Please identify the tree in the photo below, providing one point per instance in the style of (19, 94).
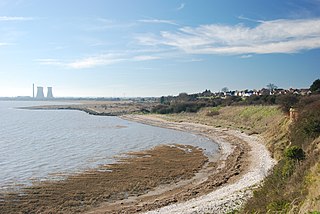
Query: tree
(162, 99)
(224, 89)
(183, 97)
(315, 87)
(271, 87)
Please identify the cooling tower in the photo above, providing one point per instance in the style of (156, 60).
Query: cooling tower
(49, 93)
(40, 94)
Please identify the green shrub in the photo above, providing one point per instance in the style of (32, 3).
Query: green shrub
(288, 169)
(178, 107)
(307, 126)
(278, 206)
(287, 101)
(294, 153)
(315, 87)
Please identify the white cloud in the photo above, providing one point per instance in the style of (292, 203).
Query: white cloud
(246, 56)
(277, 36)
(97, 60)
(145, 58)
(49, 61)
(158, 21)
(15, 18)
(89, 62)
(4, 44)
(182, 5)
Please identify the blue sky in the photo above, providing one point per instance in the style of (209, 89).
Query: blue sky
(107, 48)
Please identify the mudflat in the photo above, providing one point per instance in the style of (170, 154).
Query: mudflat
(135, 174)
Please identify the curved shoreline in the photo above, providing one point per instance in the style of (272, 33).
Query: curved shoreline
(243, 164)
(232, 194)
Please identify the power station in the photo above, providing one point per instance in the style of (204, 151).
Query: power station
(49, 93)
(40, 94)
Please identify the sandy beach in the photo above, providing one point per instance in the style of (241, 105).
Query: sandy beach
(224, 185)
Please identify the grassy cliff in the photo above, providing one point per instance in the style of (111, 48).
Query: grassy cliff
(293, 186)
(268, 121)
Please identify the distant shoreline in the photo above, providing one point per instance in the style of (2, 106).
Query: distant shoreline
(100, 108)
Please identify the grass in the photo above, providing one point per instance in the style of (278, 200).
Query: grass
(268, 121)
(250, 119)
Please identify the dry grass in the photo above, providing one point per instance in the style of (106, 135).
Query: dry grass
(251, 119)
(269, 121)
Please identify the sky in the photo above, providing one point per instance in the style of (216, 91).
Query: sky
(143, 48)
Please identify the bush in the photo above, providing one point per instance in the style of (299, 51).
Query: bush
(307, 126)
(294, 153)
(288, 168)
(161, 109)
(315, 87)
(287, 101)
(178, 107)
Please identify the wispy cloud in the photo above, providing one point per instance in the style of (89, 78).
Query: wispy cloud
(249, 19)
(158, 21)
(96, 60)
(145, 58)
(49, 61)
(15, 18)
(277, 36)
(5, 44)
(246, 56)
(182, 5)
(86, 62)
(99, 60)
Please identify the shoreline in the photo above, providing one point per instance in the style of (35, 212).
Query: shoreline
(232, 194)
(135, 174)
(229, 182)
(225, 185)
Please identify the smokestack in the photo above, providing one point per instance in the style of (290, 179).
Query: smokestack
(33, 90)
(40, 94)
(49, 93)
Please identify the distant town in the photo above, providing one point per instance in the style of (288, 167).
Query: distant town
(247, 93)
(271, 89)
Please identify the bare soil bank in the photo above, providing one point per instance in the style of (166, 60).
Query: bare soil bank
(132, 176)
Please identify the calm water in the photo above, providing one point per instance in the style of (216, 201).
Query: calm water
(37, 145)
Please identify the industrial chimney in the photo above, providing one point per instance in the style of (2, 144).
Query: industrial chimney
(40, 94)
(49, 93)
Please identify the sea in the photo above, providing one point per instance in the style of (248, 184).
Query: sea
(41, 145)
